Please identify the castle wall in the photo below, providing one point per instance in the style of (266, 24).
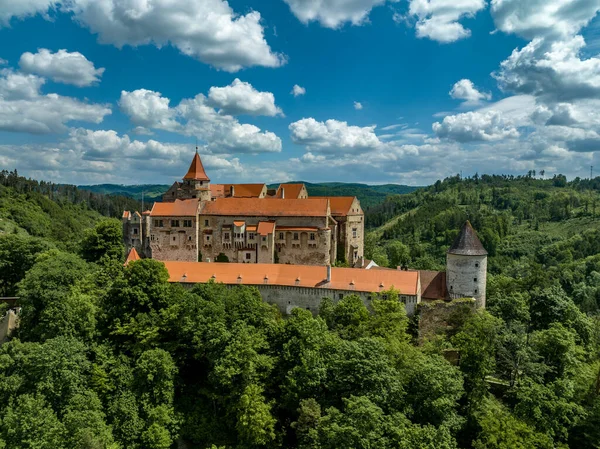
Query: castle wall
(435, 316)
(301, 252)
(174, 243)
(466, 276)
(288, 298)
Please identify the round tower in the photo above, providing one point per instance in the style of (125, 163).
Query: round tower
(466, 267)
(196, 183)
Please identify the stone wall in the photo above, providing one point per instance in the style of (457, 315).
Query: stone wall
(299, 252)
(466, 276)
(439, 317)
(7, 325)
(174, 243)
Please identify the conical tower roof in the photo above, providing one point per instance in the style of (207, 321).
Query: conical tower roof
(467, 243)
(196, 171)
(132, 256)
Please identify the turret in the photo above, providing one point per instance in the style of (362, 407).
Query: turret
(466, 267)
(195, 181)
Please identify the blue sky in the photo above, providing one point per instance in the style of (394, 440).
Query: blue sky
(404, 91)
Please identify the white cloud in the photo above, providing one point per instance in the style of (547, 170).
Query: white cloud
(3, 61)
(333, 13)
(24, 109)
(476, 126)
(297, 91)
(439, 19)
(543, 18)
(554, 71)
(194, 117)
(334, 136)
(465, 90)
(358, 106)
(62, 66)
(242, 98)
(23, 8)
(208, 30)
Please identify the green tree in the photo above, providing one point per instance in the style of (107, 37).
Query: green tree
(398, 254)
(17, 256)
(104, 240)
(255, 424)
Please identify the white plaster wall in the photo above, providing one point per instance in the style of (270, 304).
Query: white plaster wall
(466, 276)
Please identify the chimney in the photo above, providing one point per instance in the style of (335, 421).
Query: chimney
(232, 191)
(328, 273)
(282, 193)
(208, 260)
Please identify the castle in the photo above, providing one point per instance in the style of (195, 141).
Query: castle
(246, 223)
(284, 243)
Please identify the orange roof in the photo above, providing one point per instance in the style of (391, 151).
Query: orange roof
(291, 191)
(132, 256)
(262, 207)
(178, 208)
(217, 190)
(239, 224)
(244, 190)
(340, 205)
(196, 171)
(287, 275)
(126, 214)
(147, 212)
(296, 228)
(266, 227)
(251, 228)
(433, 284)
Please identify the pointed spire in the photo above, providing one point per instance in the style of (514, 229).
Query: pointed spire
(132, 256)
(467, 243)
(196, 171)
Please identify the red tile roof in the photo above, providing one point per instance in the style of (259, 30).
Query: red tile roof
(217, 190)
(296, 228)
(266, 227)
(340, 205)
(132, 256)
(239, 223)
(177, 208)
(291, 191)
(263, 207)
(196, 170)
(286, 275)
(126, 214)
(433, 284)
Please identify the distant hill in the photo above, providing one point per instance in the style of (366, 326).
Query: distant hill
(368, 195)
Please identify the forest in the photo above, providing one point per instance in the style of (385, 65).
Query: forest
(113, 356)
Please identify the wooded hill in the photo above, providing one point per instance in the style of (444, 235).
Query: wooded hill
(109, 356)
(368, 195)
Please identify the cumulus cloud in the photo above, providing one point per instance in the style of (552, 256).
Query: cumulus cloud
(23, 8)
(334, 136)
(554, 71)
(208, 30)
(543, 18)
(465, 90)
(62, 66)
(242, 98)
(24, 109)
(333, 13)
(358, 105)
(476, 126)
(439, 19)
(297, 91)
(195, 117)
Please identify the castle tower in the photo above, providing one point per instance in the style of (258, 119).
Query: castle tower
(466, 267)
(195, 182)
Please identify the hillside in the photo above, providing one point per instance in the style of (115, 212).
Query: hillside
(368, 195)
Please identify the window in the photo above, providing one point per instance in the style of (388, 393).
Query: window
(354, 232)
(475, 291)
(251, 236)
(152, 237)
(264, 239)
(296, 237)
(476, 265)
(451, 288)
(312, 236)
(158, 223)
(248, 256)
(135, 231)
(174, 238)
(187, 223)
(174, 223)
(340, 296)
(189, 238)
(208, 238)
(206, 223)
(226, 236)
(355, 255)
(281, 236)
(474, 279)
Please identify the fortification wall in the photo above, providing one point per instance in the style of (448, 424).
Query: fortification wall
(439, 317)
(466, 276)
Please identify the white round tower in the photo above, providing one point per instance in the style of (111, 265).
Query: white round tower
(466, 267)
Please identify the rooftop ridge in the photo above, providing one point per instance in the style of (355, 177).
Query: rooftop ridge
(467, 243)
